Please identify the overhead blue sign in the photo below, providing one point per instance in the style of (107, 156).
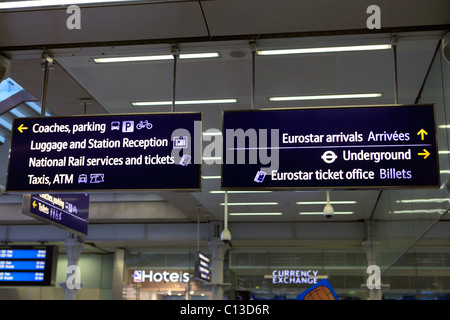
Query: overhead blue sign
(68, 211)
(160, 151)
(337, 147)
(202, 267)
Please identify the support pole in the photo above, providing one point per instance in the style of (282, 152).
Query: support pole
(175, 53)
(253, 51)
(118, 273)
(218, 250)
(73, 248)
(85, 102)
(394, 50)
(47, 62)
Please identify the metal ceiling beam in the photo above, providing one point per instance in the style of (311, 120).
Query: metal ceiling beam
(246, 37)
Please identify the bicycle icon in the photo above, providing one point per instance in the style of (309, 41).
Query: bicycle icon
(144, 124)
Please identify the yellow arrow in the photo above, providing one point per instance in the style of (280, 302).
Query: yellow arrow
(21, 128)
(425, 153)
(34, 204)
(422, 133)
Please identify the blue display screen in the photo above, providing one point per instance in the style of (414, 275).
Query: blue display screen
(22, 276)
(27, 265)
(341, 147)
(159, 151)
(23, 254)
(22, 265)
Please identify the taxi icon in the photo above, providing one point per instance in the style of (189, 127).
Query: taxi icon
(82, 178)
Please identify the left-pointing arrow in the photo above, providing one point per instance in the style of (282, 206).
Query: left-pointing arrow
(34, 204)
(21, 128)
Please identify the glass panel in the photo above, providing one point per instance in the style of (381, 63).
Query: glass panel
(405, 216)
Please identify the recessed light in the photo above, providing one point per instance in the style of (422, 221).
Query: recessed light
(327, 97)
(251, 204)
(255, 214)
(240, 191)
(417, 211)
(324, 202)
(434, 200)
(162, 57)
(321, 212)
(324, 49)
(211, 177)
(46, 3)
(182, 102)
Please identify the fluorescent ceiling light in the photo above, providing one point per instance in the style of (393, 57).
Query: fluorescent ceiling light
(444, 126)
(47, 3)
(217, 133)
(324, 202)
(204, 55)
(444, 152)
(255, 214)
(161, 57)
(435, 200)
(251, 204)
(327, 97)
(2, 139)
(211, 158)
(133, 59)
(418, 211)
(182, 102)
(324, 49)
(241, 191)
(211, 177)
(321, 212)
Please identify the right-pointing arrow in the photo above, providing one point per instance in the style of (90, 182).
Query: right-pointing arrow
(425, 153)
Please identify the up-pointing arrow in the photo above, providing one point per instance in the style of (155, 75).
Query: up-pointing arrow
(422, 133)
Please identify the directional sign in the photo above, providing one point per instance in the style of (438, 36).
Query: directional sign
(68, 211)
(341, 147)
(202, 269)
(158, 151)
(28, 265)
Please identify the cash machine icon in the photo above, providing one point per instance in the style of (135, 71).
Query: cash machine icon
(97, 177)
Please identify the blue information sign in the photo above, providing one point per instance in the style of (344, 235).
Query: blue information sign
(28, 265)
(68, 211)
(337, 147)
(202, 267)
(160, 151)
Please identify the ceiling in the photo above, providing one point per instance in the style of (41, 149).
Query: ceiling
(227, 27)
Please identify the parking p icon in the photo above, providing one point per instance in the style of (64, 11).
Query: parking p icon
(128, 126)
